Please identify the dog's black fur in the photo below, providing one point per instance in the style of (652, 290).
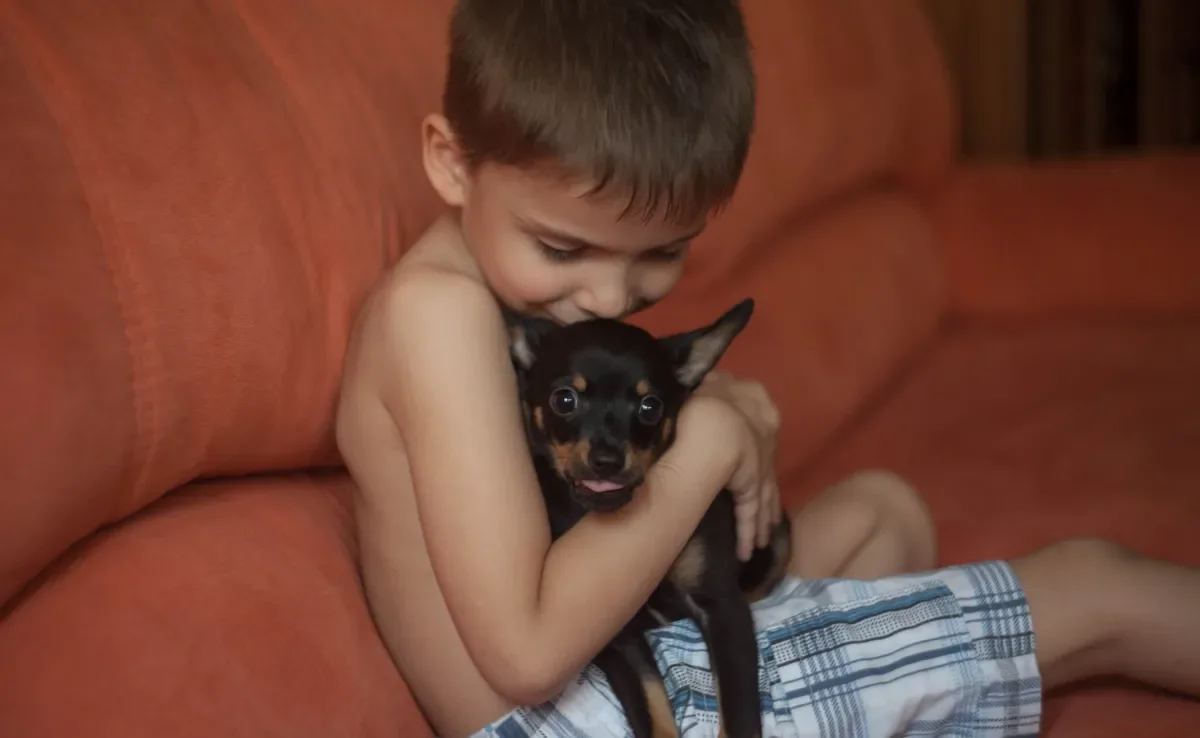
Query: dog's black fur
(601, 398)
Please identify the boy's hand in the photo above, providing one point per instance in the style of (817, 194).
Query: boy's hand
(758, 506)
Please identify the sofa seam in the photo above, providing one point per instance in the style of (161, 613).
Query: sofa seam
(124, 280)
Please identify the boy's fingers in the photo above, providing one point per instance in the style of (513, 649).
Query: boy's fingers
(747, 520)
(765, 513)
(746, 539)
(769, 503)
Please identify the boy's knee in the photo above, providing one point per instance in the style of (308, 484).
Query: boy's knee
(895, 508)
(1081, 578)
(868, 525)
(1079, 592)
(1088, 559)
(1091, 569)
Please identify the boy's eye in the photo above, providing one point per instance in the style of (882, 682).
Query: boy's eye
(673, 253)
(556, 253)
(563, 401)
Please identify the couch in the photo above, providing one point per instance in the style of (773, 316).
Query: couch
(194, 196)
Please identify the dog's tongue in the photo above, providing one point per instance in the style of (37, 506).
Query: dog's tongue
(597, 485)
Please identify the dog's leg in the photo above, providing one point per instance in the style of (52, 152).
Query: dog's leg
(620, 662)
(662, 716)
(728, 630)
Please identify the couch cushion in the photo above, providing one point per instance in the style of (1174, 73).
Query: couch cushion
(1021, 435)
(852, 94)
(1114, 234)
(65, 385)
(842, 298)
(198, 194)
(225, 610)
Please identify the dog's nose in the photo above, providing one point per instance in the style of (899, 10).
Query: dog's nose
(605, 459)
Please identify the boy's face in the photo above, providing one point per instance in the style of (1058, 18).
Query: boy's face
(547, 249)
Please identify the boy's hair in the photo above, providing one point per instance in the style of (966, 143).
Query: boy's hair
(651, 98)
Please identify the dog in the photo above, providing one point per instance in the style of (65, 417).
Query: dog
(601, 399)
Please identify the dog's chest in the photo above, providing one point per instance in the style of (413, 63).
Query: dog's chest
(669, 604)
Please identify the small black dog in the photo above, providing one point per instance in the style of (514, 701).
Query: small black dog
(601, 399)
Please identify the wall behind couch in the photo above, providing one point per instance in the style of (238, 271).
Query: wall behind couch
(1071, 78)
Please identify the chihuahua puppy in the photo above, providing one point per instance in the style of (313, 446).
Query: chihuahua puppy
(601, 398)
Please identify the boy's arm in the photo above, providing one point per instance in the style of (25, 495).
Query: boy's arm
(530, 615)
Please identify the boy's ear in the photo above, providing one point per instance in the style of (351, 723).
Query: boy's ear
(444, 163)
(696, 352)
(525, 336)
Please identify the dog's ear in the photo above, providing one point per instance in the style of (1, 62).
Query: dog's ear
(525, 336)
(696, 352)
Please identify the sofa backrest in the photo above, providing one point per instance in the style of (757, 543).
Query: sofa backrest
(853, 95)
(196, 195)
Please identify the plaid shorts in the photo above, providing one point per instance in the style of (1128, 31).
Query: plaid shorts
(948, 652)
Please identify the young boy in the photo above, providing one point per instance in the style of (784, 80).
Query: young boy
(583, 145)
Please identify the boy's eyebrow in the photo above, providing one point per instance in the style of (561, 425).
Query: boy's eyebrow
(575, 242)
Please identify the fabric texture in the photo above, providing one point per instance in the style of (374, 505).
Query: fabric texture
(949, 652)
(229, 609)
(1065, 237)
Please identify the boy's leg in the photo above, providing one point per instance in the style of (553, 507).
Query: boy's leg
(1097, 609)
(1101, 610)
(870, 525)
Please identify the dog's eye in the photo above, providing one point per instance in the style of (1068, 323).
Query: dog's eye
(564, 400)
(651, 410)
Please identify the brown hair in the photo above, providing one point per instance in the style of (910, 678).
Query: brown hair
(652, 98)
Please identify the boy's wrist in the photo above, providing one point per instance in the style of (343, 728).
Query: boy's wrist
(711, 426)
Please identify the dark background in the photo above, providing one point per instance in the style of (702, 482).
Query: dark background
(1073, 78)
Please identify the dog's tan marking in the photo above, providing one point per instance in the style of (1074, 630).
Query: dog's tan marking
(643, 387)
(662, 717)
(666, 429)
(579, 383)
(539, 419)
(640, 459)
(688, 568)
(579, 454)
(570, 457)
(562, 456)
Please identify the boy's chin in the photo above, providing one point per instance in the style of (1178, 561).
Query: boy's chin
(537, 312)
(562, 316)
(567, 314)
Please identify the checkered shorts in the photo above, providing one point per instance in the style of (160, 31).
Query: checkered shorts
(943, 653)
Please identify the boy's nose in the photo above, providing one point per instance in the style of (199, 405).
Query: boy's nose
(609, 300)
(605, 459)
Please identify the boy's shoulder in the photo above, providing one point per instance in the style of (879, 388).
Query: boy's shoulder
(431, 291)
(435, 281)
(427, 322)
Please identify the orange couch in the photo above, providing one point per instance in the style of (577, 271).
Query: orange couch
(195, 194)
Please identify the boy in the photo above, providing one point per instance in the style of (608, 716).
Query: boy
(583, 144)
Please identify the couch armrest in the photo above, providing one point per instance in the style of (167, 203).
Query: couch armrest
(1109, 235)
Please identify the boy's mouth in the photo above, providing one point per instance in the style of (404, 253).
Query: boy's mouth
(569, 315)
